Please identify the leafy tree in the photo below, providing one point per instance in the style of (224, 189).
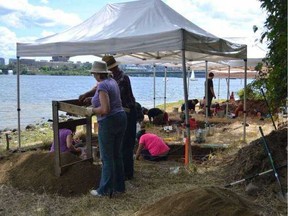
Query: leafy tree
(275, 83)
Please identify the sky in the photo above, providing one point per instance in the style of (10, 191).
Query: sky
(28, 20)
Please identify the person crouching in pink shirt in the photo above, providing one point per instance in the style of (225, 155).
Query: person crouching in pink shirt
(151, 147)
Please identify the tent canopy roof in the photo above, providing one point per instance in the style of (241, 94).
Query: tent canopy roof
(139, 30)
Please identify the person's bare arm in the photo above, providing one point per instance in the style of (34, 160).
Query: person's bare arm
(69, 143)
(104, 107)
(83, 97)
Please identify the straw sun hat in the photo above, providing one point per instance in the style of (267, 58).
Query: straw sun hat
(99, 67)
(110, 61)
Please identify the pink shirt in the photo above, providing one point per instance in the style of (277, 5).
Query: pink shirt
(154, 144)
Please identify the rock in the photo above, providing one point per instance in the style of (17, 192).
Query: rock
(30, 127)
(252, 189)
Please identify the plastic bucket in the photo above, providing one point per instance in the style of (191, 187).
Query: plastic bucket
(193, 123)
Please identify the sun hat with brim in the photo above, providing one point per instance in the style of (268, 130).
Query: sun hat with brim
(110, 61)
(99, 67)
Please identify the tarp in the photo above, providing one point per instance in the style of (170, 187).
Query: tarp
(145, 29)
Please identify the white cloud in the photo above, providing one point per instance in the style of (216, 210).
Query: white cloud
(19, 13)
(8, 43)
(222, 18)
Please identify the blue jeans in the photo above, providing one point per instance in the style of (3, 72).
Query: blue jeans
(110, 135)
(129, 143)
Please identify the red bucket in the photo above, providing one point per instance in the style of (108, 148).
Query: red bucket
(193, 123)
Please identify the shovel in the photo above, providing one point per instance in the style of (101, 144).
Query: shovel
(281, 195)
(253, 176)
(268, 108)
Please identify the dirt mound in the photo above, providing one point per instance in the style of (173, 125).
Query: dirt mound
(202, 201)
(253, 158)
(254, 106)
(34, 171)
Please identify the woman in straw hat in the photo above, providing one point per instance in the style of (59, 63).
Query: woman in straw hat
(129, 105)
(112, 124)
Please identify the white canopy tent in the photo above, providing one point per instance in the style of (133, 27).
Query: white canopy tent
(136, 31)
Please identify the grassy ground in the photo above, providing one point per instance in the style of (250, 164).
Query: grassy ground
(152, 182)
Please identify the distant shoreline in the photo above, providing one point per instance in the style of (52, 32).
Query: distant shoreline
(238, 75)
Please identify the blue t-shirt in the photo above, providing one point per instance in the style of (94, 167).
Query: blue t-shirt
(109, 86)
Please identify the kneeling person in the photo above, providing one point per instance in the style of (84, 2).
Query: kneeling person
(151, 147)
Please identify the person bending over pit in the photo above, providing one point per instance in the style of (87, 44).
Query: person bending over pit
(66, 141)
(151, 147)
(156, 116)
(191, 105)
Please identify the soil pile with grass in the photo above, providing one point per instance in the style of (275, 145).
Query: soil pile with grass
(34, 171)
(254, 159)
(202, 201)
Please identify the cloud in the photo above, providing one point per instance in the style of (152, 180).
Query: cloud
(21, 14)
(8, 43)
(222, 18)
(8, 40)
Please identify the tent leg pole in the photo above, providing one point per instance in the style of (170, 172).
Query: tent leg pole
(154, 87)
(165, 87)
(245, 114)
(187, 124)
(206, 91)
(18, 101)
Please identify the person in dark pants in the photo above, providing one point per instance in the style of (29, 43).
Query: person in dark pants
(211, 92)
(128, 104)
(151, 147)
(107, 105)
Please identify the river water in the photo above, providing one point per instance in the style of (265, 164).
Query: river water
(37, 93)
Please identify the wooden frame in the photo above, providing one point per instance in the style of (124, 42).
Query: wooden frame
(73, 107)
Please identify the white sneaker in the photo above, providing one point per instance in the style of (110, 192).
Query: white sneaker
(95, 193)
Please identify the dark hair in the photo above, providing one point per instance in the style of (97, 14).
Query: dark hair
(144, 110)
(103, 76)
(211, 74)
(140, 133)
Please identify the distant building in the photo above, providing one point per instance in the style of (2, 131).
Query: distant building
(12, 61)
(60, 58)
(28, 62)
(2, 61)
